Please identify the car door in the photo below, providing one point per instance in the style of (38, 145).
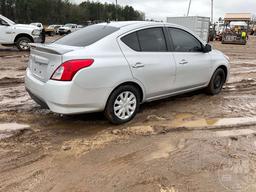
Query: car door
(193, 65)
(3, 31)
(150, 62)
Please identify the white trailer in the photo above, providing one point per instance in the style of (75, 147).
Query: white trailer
(197, 24)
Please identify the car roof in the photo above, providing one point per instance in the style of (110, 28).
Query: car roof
(137, 24)
(126, 26)
(121, 24)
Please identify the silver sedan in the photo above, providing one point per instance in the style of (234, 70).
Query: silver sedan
(114, 67)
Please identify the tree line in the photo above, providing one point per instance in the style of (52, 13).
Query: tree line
(63, 11)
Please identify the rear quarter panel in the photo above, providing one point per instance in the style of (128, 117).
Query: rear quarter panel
(109, 69)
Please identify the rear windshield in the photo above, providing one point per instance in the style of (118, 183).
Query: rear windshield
(87, 35)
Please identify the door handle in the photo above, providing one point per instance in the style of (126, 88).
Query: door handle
(183, 62)
(138, 65)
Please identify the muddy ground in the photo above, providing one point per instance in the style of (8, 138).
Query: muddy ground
(188, 143)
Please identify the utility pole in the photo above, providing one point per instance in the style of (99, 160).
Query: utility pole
(212, 11)
(189, 5)
(116, 11)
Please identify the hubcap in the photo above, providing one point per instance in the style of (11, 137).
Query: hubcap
(24, 45)
(125, 105)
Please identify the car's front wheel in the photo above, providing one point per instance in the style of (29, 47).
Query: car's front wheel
(23, 43)
(216, 84)
(123, 104)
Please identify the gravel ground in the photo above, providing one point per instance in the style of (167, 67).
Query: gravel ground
(187, 143)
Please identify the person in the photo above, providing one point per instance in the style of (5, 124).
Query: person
(43, 35)
(244, 35)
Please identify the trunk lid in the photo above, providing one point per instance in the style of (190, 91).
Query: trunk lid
(46, 58)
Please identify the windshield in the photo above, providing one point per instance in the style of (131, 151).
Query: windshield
(87, 36)
(8, 20)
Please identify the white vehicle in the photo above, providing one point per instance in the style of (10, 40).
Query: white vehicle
(80, 26)
(115, 67)
(39, 25)
(52, 29)
(18, 34)
(68, 28)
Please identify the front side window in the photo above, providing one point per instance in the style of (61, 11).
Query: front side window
(184, 41)
(152, 40)
(7, 21)
(2, 22)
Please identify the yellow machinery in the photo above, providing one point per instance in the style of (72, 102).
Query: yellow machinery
(236, 28)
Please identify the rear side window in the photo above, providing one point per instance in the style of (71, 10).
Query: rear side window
(184, 41)
(147, 40)
(87, 35)
(132, 41)
(152, 40)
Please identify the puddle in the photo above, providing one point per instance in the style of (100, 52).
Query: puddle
(200, 123)
(165, 148)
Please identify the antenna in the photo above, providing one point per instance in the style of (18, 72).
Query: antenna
(189, 5)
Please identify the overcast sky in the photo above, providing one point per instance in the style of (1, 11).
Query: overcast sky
(160, 9)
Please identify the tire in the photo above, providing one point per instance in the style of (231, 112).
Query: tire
(128, 109)
(217, 81)
(22, 43)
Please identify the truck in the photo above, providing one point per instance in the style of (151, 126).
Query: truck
(199, 25)
(19, 35)
(68, 28)
(52, 30)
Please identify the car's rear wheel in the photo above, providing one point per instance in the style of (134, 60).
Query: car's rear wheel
(216, 84)
(23, 43)
(123, 104)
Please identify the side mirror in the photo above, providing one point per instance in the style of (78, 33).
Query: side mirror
(207, 48)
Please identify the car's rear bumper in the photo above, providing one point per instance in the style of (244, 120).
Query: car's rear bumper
(65, 97)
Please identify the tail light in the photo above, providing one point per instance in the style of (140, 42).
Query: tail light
(67, 70)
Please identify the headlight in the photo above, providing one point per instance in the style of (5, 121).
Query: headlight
(36, 32)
